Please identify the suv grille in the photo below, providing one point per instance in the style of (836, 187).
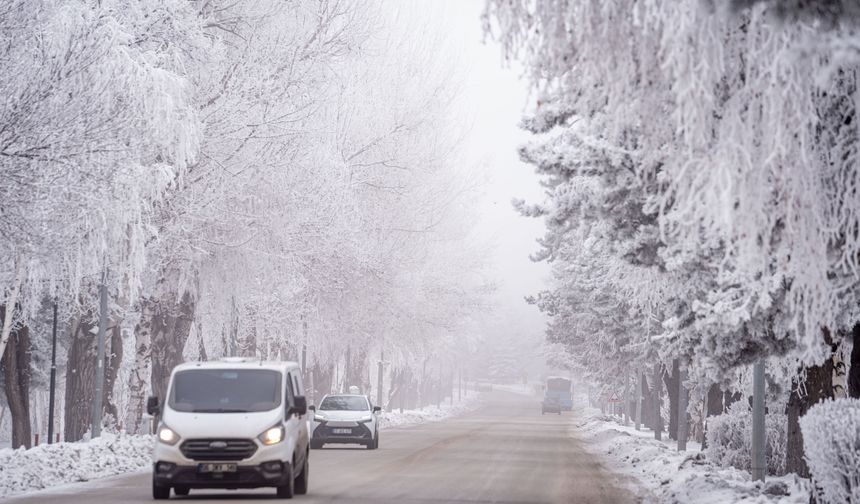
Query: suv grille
(218, 449)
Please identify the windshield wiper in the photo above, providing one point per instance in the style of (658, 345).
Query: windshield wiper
(220, 410)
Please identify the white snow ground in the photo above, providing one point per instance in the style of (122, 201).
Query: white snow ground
(48, 466)
(394, 418)
(678, 477)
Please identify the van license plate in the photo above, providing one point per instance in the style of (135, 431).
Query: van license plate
(342, 431)
(216, 468)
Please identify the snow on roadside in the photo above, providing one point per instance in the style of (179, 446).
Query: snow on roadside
(430, 414)
(47, 466)
(50, 465)
(679, 477)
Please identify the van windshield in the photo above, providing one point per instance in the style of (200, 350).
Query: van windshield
(225, 390)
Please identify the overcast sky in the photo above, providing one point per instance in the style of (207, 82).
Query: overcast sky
(493, 100)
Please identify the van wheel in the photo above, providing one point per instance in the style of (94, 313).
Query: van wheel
(301, 485)
(160, 492)
(181, 490)
(287, 491)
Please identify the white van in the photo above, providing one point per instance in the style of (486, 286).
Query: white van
(234, 423)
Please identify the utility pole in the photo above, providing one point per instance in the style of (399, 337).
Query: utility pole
(53, 378)
(100, 358)
(460, 384)
(305, 348)
(347, 371)
(379, 370)
(759, 464)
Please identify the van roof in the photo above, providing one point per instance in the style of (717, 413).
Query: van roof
(238, 363)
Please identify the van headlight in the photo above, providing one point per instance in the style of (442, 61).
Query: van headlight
(167, 435)
(273, 435)
(365, 420)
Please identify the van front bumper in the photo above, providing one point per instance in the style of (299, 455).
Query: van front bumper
(268, 474)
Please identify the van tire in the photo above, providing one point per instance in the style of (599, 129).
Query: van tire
(287, 491)
(181, 490)
(160, 492)
(301, 484)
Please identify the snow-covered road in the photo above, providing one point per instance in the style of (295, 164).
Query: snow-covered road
(505, 451)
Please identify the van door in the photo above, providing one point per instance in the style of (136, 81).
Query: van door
(299, 423)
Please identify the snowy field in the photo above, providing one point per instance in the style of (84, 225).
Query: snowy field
(666, 475)
(47, 466)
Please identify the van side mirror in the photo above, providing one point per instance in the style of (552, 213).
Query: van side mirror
(377, 409)
(312, 407)
(152, 406)
(299, 407)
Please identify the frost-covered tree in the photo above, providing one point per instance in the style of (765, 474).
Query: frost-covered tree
(745, 125)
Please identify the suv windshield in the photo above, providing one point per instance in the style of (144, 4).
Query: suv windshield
(225, 390)
(344, 403)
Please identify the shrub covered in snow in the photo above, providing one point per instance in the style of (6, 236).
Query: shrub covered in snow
(831, 442)
(730, 439)
(49, 465)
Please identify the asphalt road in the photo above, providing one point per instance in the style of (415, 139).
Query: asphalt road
(504, 452)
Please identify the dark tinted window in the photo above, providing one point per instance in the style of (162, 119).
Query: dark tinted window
(344, 403)
(225, 390)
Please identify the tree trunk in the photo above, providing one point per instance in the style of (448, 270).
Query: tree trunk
(854, 364)
(247, 343)
(80, 378)
(201, 345)
(817, 387)
(113, 360)
(715, 401)
(672, 388)
(647, 403)
(138, 379)
(683, 399)
(658, 403)
(322, 380)
(713, 407)
(16, 373)
(171, 326)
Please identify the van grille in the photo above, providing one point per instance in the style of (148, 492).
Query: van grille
(218, 449)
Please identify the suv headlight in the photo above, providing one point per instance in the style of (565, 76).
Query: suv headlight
(273, 435)
(319, 417)
(167, 435)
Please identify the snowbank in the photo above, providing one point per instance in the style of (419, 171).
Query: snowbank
(50, 465)
(679, 477)
(430, 414)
